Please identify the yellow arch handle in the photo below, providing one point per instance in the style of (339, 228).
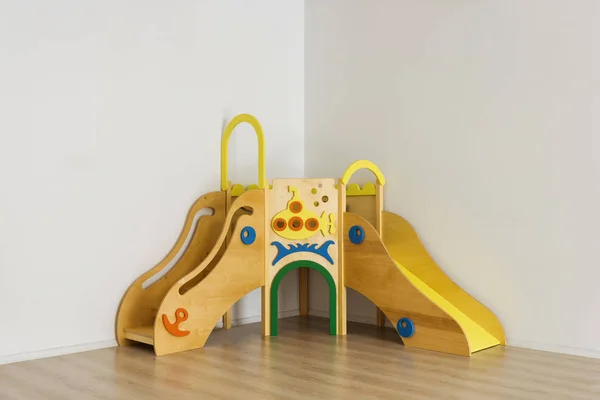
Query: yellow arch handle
(225, 148)
(363, 164)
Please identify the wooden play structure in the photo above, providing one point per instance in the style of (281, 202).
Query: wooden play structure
(256, 235)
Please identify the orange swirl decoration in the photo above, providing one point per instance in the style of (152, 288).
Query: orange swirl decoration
(181, 315)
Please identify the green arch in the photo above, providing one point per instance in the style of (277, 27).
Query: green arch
(275, 294)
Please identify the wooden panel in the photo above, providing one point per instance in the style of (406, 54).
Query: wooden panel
(239, 271)
(404, 245)
(265, 310)
(369, 269)
(319, 199)
(266, 288)
(378, 226)
(363, 206)
(227, 319)
(278, 201)
(142, 334)
(342, 298)
(139, 306)
(380, 318)
(227, 316)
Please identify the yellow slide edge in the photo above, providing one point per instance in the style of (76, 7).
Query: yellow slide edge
(477, 337)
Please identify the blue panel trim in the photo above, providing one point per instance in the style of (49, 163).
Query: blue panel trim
(323, 250)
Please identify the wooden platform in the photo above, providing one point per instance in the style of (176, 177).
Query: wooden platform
(143, 334)
(304, 362)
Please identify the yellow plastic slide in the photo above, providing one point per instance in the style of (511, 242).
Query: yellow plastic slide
(480, 325)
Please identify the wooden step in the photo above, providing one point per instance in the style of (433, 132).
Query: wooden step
(143, 334)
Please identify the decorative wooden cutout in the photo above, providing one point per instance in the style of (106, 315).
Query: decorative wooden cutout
(297, 223)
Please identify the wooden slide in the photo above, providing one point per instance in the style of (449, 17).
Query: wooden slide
(404, 282)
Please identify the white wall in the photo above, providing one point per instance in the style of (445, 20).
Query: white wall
(485, 119)
(111, 116)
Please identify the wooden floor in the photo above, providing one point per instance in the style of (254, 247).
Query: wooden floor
(304, 362)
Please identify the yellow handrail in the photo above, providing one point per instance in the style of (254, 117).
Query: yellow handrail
(225, 151)
(363, 164)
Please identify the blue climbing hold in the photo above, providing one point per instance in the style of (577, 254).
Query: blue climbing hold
(356, 234)
(405, 327)
(248, 235)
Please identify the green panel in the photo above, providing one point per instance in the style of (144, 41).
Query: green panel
(275, 294)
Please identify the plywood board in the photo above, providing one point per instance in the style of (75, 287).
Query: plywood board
(139, 306)
(239, 271)
(279, 198)
(404, 246)
(370, 270)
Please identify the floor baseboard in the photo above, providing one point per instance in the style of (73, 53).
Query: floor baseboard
(555, 348)
(59, 351)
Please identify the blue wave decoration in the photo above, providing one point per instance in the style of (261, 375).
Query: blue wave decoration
(323, 250)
